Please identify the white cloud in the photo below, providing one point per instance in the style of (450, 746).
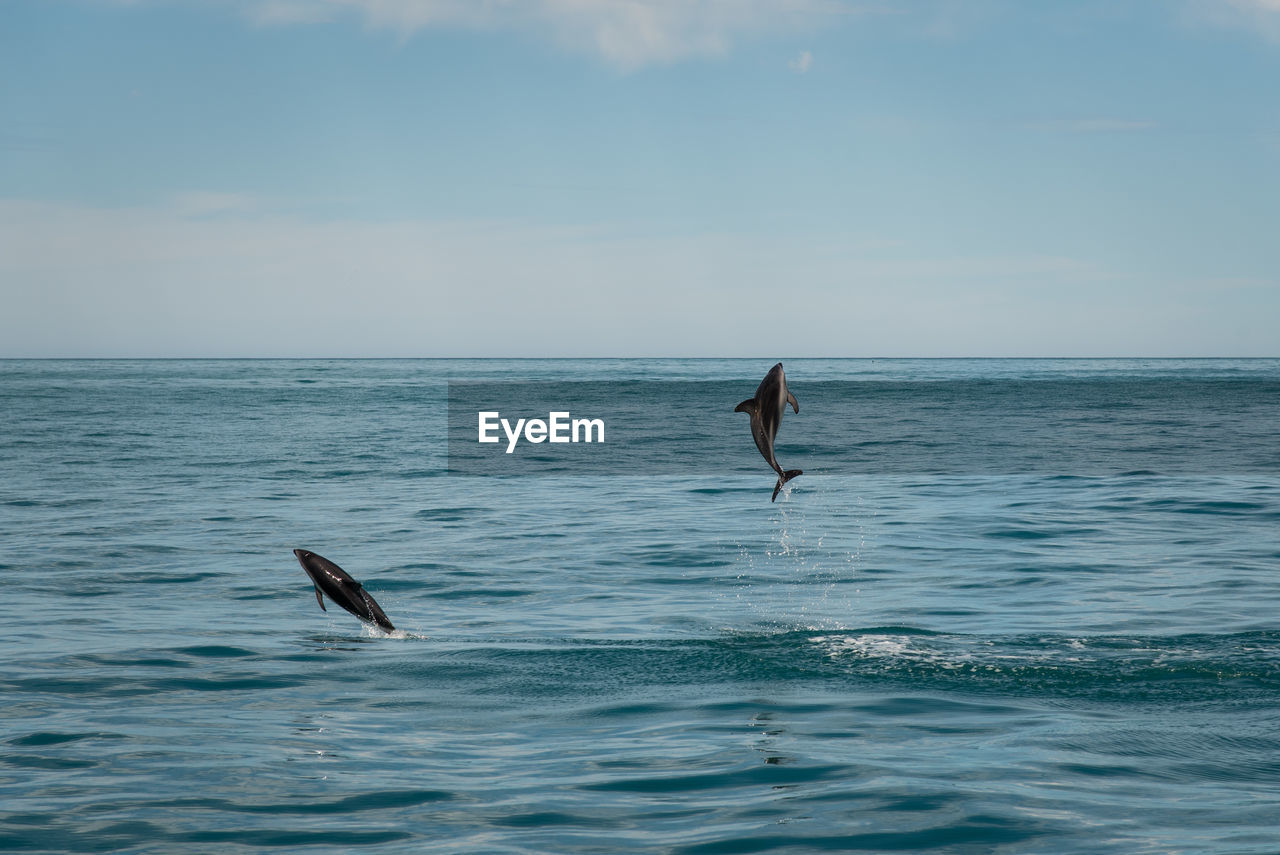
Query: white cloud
(169, 281)
(801, 63)
(1259, 16)
(1257, 5)
(626, 33)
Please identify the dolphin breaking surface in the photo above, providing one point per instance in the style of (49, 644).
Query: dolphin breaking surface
(765, 410)
(338, 585)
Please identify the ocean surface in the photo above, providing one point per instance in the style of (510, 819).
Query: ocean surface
(1011, 606)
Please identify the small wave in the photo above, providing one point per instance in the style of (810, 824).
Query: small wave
(485, 593)
(1028, 533)
(363, 802)
(33, 761)
(872, 646)
(215, 651)
(1222, 507)
(172, 578)
(1139, 667)
(284, 840)
(44, 737)
(456, 514)
(747, 776)
(979, 833)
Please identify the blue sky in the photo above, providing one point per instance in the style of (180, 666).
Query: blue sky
(639, 178)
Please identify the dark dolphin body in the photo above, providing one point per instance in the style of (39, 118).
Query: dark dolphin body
(766, 410)
(341, 588)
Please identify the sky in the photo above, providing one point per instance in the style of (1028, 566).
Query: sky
(680, 178)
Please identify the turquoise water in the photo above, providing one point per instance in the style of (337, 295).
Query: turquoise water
(899, 655)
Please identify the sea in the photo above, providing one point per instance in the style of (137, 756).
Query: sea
(1022, 606)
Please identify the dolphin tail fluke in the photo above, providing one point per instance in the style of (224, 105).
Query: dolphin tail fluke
(748, 406)
(784, 478)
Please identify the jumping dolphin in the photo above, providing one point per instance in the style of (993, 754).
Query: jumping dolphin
(341, 588)
(766, 410)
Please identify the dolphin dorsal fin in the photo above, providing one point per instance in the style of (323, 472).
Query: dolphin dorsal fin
(748, 406)
(319, 599)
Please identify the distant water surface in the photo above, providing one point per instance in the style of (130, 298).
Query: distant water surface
(1072, 655)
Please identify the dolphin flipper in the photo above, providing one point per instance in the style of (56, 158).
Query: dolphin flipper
(748, 406)
(784, 478)
(320, 599)
(795, 405)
